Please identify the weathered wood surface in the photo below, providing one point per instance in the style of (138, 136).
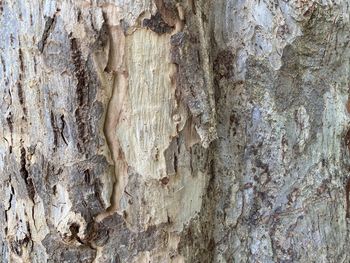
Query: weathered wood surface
(174, 131)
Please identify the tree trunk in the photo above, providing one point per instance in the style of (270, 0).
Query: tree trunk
(174, 131)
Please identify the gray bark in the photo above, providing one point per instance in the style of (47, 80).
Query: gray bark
(174, 131)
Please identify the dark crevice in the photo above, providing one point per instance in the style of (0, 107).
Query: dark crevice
(9, 120)
(97, 191)
(82, 93)
(191, 160)
(87, 176)
(25, 175)
(10, 93)
(49, 24)
(23, 169)
(165, 180)
(63, 125)
(3, 65)
(35, 65)
(10, 202)
(33, 216)
(28, 237)
(20, 92)
(55, 131)
(175, 163)
(74, 229)
(176, 153)
(347, 196)
(21, 63)
(79, 18)
(16, 246)
(21, 96)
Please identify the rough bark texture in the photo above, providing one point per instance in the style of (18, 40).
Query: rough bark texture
(174, 131)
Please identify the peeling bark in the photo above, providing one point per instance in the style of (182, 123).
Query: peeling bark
(174, 131)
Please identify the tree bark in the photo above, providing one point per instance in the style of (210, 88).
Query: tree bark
(174, 131)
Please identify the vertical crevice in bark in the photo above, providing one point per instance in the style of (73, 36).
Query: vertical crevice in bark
(55, 131)
(20, 93)
(9, 120)
(25, 174)
(63, 125)
(49, 25)
(116, 67)
(82, 95)
(347, 200)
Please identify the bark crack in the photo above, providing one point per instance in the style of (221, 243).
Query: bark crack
(9, 120)
(116, 65)
(82, 94)
(9, 201)
(25, 175)
(347, 191)
(49, 25)
(63, 125)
